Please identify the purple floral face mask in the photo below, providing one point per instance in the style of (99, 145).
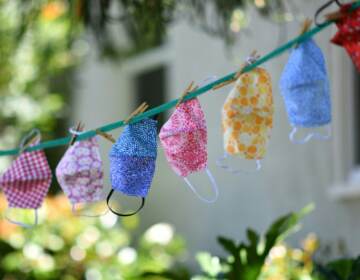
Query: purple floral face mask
(80, 173)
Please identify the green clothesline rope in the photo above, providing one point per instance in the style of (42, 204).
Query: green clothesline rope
(166, 106)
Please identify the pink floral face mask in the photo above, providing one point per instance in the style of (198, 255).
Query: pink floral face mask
(27, 181)
(80, 173)
(184, 139)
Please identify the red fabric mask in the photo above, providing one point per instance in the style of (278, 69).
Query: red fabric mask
(348, 35)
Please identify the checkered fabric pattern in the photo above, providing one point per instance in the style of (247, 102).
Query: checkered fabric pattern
(27, 181)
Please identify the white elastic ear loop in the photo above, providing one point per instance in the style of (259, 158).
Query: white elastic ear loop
(309, 136)
(221, 163)
(214, 188)
(79, 214)
(36, 219)
(75, 132)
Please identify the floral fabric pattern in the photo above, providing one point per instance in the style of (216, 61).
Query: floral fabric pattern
(304, 85)
(80, 173)
(348, 34)
(133, 158)
(247, 115)
(184, 138)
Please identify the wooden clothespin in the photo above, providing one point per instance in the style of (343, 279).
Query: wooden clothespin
(105, 135)
(252, 57)
(305, 26)
(79, 127)
(189, 89)
(29, 139)
(335, 16)
(142, 108)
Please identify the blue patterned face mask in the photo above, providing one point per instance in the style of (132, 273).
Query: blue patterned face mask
(305, 88)
(132, 161)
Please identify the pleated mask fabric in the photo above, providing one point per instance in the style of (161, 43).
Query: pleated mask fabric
(304, 86)
(80, 172)
(247, 118)
(184, 139)
(133, 158)
(27, 181)
(348, 35)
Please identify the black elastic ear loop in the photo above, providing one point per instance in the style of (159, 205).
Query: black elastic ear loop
(121, 214)
(322, 8)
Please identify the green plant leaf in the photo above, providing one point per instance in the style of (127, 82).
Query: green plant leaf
(342, 267)
(355, 273)
(325, 273)
(284, 226)
(229, 245)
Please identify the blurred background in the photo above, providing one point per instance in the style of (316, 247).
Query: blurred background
(96, 61)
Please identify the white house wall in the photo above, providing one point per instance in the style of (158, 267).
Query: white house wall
(292, 175)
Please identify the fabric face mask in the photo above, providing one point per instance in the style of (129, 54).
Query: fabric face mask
(184, 139)
(27, 181)
(305, 88)
(80, 173)
(132, 161)
(348, 35)
(247, 118)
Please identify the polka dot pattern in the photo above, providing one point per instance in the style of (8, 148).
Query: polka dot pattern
(247, 115)
(348, 34)
(80, 173)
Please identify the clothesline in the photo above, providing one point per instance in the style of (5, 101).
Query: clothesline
(166, 106)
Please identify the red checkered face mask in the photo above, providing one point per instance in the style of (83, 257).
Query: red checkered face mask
(26, 182)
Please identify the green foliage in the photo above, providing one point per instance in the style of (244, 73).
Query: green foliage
(246, 259)
(36, 50)
(64, 246)
(342, 269)
(146, 22)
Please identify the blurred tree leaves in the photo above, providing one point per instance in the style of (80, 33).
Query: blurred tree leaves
(146, 22)
(38, 55)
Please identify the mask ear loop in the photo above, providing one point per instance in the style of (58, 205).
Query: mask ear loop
(33, 136)
(108, 137)
(252, 58)
(322, 8)
(308, 137)
(78, 213)
(24, 225)
(123, 214)
(214, 187)
(221, 163)
(142, 108)
(29, 139)
(75, 132)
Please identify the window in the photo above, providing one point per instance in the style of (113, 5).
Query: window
(150, 86)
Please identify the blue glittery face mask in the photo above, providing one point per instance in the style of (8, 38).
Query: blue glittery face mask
(304, 86)
(132, 161)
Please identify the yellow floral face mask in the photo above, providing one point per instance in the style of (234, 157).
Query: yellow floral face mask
(247, 117)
